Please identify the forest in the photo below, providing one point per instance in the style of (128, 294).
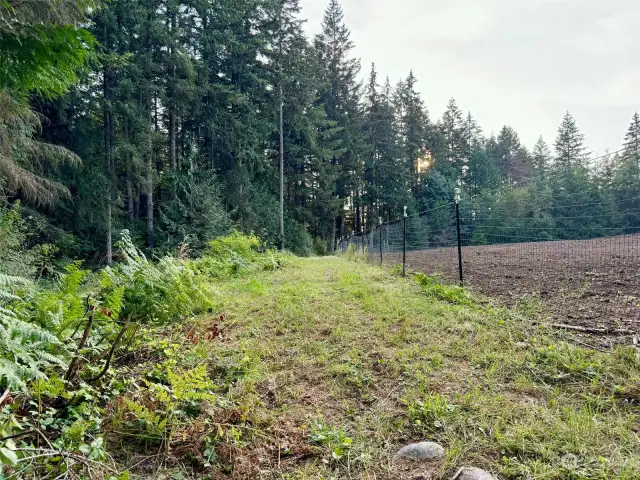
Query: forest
(168, 118)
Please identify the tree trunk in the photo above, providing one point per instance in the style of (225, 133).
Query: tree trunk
(129, 182)
(136, 202)
(281, 169)
(172, 138)
(150, 167)
(109, 154)
(172, 101)
(358, 224)
(332, 247)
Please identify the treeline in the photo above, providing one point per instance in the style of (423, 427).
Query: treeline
(176, 127)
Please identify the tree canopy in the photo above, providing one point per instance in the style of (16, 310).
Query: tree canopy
(171, 118)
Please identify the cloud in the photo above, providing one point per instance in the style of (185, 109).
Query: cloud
(517, 62)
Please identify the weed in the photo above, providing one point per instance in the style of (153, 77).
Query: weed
(431, 412)
(352, 374)
(335, 441)
(447, 293)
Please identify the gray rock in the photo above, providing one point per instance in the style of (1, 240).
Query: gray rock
(473, 473)
(420, 451)
(570, 461)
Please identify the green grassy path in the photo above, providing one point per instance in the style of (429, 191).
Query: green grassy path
(326, 367)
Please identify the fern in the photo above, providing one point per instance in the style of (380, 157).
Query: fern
(191, 385)
(154, 292)
(26, 349)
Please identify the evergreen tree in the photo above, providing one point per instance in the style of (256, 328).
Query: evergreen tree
(632, 140)
(514, 158)
(413, 124)
(453, 129)
(541, 157)
(340, 96)
(570, 150)
(626, 179)
(43, 48)
(386, 174)
(572, 184)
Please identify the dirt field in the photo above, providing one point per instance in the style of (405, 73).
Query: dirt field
(592, 283)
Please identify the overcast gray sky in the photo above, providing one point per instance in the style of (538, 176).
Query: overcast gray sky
(516, 62)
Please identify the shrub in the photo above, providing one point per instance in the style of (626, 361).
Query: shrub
(156, 292)
(15, 258)
(320, 247)
(28, 349)
(234, 254)
(298, 240)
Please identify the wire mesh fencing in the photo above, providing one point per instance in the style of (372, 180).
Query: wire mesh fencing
(580, 265)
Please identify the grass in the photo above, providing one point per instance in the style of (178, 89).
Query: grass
(324, 368)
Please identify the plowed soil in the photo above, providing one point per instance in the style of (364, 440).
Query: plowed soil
(591, 283)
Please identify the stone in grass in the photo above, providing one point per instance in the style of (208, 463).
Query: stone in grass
(420, 451)
(473, 473)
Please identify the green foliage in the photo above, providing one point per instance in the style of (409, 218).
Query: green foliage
(234, 254)
(235, 244)
(161, 292)
(320, 247)
(194, 214)
(139, 421)
(334, 440)
(28, 349)
(60, 309)
(354, 253)
(15, 257)
(431, 412)
(565, 363)
(447, 293)
(41, 48)
(187, 388)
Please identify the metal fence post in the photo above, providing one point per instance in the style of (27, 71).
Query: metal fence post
(459, 238)
(404, 241)
(380, 241)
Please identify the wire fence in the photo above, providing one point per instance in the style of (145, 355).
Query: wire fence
(581, 266)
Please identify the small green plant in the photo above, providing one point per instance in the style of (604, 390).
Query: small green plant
(186, 388)
(396, 270)
(352, 374)
(447, 293)
(565, 363)
(431, 412)
(137, 421)
(334, 440)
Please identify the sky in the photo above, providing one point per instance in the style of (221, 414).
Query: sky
(522, 63)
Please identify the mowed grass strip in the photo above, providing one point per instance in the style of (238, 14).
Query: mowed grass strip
(335, 364)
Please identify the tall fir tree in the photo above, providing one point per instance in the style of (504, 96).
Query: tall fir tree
(631, 143)
(541, 157)
(455, 141)
(413, 124)
(340, 96)
(570, 150)
(514, 158)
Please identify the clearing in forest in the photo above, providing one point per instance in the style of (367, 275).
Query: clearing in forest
(325, 367)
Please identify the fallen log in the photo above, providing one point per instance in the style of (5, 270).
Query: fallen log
(595, 331)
